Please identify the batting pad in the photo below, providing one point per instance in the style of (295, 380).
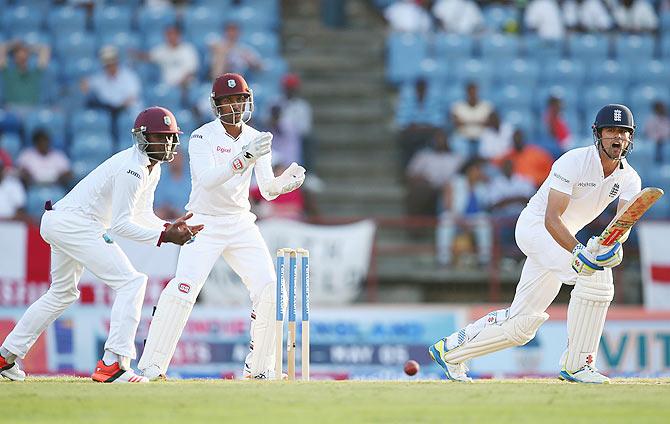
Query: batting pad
(263, 339)
(166, 327)
(515, 331)
(587, 311)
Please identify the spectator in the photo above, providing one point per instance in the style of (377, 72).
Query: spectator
(173, 189)
(42, 165)
(5, 157)
(657, 128)
(635, 16)
(470, 116)
(465, 202)
(409, 16)
(296, 118)
(530, 161)
(557, 127)
(21, 82)
(177, 59)
(428, 171)
(586, 15)
(12, 195)
(509, 191)
(459, 16)
(285, 141)
(545, 17)
(496, 138)
(116, 88)
(417, 129)
(289, 206)
(231, 55)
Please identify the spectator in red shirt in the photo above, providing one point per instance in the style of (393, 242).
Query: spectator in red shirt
(557, 127)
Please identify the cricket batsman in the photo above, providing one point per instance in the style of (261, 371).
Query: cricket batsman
(223, 154)
(117, 196)
(581, 184)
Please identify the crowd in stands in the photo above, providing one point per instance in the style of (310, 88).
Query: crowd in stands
(490, 93)
(75, 73)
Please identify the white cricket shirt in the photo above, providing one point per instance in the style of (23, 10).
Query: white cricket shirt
(120, 195)
(215, 189)
(579, 173)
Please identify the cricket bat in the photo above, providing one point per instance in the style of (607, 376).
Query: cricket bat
(629, 215)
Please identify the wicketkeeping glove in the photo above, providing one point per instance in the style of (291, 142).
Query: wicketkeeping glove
(289, 180)
(250, 153)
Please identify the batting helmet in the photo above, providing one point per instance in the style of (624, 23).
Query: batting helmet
(614, 115)
(157, 120)
(231, 84)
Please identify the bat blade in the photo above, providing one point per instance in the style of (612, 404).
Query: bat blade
(629, 215)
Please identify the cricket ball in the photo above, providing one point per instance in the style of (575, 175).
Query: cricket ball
(411, 367)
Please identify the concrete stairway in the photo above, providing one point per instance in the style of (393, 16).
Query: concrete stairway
(343, 78)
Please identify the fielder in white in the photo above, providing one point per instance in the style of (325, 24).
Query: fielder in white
(118, 196)
(223, 154)
(581, 184)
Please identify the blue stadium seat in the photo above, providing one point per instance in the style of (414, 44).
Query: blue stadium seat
(665, 45)
(447, 46)
(72, 18)
(21, 19)
(92, 146)
(498, 46)
(642, 97)
(78, 68)
(541, 49)
(632, 47)
(148, 72)
(90, 120)
(434, 71)
(11, 142)
(588, 47)
(409, 110)
(497, 17)
(405, 53)
(124, 41)
(597, 96)
(612, 72)
(152, 37)
(155, 18)
(52, 121)
(38, 195)
(565, 71)
(567, 94)
(273, 70)
(30, 36)
(476, 70)
(521, 118)
(665, 22)
(124, 125)
(200, 20)
(72, 45)
(518, 71)
(163, 95)
(266, 43)
(249, 17)
(513, 97)
(112, 18)
(651, 72)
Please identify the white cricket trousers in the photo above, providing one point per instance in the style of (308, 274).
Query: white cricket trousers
(547, 267)
(76, 243)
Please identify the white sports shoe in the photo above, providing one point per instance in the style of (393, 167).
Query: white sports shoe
(585, 374)
(454, 372)
(11, 371)
(153, 373)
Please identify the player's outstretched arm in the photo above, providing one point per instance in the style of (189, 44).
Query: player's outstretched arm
(557, 203)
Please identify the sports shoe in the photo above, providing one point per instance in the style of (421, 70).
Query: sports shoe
(153, 373)
(586, 374)
(11, 371)
(454, 372)
(114, 374)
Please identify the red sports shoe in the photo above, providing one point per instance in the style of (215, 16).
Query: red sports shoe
(114, 374)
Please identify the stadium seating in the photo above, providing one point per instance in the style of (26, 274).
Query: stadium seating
(632, 48)
(38, 195)
(90, 121)
(51, 121)
(405, 53)
(22, 19)
(112, 18)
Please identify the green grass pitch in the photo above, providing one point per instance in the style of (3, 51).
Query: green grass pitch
(77, 400)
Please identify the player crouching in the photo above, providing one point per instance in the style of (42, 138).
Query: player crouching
(117, 196)
(582, 183)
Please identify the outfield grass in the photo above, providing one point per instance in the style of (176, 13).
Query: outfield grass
(75, 400)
